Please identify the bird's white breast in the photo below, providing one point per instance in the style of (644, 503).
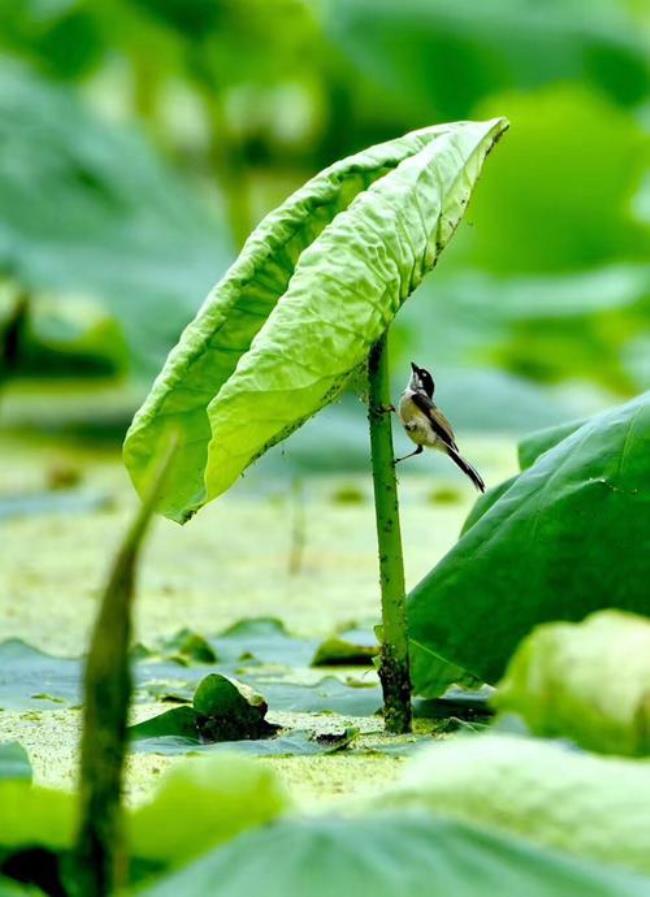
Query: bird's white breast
(416, 423)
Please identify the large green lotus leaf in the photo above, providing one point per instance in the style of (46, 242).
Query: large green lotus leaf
(315, 286)
(535, 444)
(590, 806)
(528, 450)
(569, 537)
(391, 855)
(32, 680)
(202, 802)
(293, 743)
(589, 682)
(484, 502)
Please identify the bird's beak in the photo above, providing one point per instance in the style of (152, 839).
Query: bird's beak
(414, 367)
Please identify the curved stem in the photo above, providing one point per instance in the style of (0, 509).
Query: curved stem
(101, 861)
(394, 664)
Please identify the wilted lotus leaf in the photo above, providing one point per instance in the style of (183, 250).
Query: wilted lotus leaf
(315, 286)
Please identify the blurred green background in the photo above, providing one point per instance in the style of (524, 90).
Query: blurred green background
(141, 140)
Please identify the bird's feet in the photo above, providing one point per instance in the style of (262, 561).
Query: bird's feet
(378, 410)
(418, 451)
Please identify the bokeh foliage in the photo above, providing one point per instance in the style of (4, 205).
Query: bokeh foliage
(167, 129)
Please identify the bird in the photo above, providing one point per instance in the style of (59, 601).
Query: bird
(426, 425)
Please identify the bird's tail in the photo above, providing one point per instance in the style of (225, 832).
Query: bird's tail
(467, 469)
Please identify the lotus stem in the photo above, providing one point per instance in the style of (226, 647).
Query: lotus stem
(101, 861)
(394, 660)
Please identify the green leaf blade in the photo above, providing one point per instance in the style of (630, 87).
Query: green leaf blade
(584, 505)
(534, 445)
(396, 854)
(556, 797)
(234, 312)
(325, 288)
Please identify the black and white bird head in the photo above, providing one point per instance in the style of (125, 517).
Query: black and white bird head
(421, 380)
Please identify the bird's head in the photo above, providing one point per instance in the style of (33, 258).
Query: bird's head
(421, 380)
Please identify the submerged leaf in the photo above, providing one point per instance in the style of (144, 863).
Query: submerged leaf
(179, 722)
(329, 695)
(26, 671)
(352, 647)
(294, 743)
(588, 682)
(261, 640)
(183, 647)
(315, 286)
(33, 680)
(229, 710)
(223, 710)
(570, 536)
(590, 806)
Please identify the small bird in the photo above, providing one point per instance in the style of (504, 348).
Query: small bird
(426, 425)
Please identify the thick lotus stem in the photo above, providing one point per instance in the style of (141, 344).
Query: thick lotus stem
(394, 664)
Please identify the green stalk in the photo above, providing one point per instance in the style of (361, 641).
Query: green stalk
(101, 861)
(394, 662)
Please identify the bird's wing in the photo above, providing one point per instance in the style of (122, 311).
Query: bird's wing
(438, 421)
